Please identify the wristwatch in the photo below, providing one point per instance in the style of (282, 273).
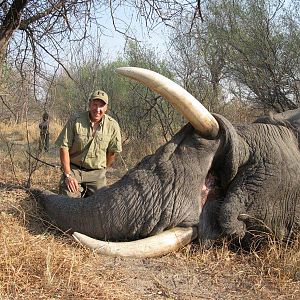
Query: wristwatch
(67, 175)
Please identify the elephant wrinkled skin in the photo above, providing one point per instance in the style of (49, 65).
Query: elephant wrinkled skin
(226, 181)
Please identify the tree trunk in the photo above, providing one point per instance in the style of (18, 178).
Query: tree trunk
(10, 24)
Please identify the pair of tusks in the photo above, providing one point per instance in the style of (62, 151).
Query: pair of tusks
(205, 124)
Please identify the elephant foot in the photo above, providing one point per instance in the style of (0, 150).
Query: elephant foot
(236, 229)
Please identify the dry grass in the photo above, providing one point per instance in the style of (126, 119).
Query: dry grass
(19, 132)
(38, 262)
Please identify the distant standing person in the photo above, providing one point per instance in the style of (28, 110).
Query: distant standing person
(44, 133)
(88, 144)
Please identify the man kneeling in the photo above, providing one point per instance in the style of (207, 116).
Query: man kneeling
(88, 144)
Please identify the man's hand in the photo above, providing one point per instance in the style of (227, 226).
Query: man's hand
(72, 184)
(110, 157)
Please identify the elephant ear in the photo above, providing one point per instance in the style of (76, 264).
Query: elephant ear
(289, 118)
(232, 152)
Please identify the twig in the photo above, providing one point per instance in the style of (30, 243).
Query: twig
(42, 161)
(9, 148)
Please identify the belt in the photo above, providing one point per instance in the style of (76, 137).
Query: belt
(82, 168)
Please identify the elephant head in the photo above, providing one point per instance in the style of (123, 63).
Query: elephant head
(211, 179)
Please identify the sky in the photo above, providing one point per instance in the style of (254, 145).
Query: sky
(104, 35)
(113, 42)
(124, 17)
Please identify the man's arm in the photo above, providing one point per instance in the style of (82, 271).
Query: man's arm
(71, 182)
(110, 157)
(65, 160)
(114, 146)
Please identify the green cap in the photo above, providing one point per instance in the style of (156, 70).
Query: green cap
(100, 95)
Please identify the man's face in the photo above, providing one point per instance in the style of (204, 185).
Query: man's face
(97, 109)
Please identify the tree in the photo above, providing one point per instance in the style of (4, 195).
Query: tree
(151, 113)
(199, 59)
(16, 97)
(40, 25)
(262, 38)
(34, 28)
(32, 36)
(36, 35)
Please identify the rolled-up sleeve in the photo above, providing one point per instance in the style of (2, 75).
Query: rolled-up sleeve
(66, 136)
(115, 144)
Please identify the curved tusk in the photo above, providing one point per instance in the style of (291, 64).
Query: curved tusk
(183, 102)
(157, 245)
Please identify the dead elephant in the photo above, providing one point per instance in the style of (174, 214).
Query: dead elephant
(211, 179)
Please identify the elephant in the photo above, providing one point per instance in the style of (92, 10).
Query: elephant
(212, 180)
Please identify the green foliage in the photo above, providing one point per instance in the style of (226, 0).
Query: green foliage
(243, 48)
(198, 59)
(152, 115)
(260, 37)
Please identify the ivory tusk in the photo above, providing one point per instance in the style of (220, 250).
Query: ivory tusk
(157, 245)
(183, 102)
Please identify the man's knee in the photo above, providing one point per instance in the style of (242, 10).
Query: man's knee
(63, 189)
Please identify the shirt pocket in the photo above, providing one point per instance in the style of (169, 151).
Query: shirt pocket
(101, 142)
(98, 147)
(80, 140)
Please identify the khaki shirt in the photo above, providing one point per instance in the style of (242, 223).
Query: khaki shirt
(85, 150)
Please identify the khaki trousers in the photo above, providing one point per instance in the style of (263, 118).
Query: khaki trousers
(89, 181)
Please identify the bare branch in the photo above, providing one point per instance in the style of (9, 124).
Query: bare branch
(7, 106)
